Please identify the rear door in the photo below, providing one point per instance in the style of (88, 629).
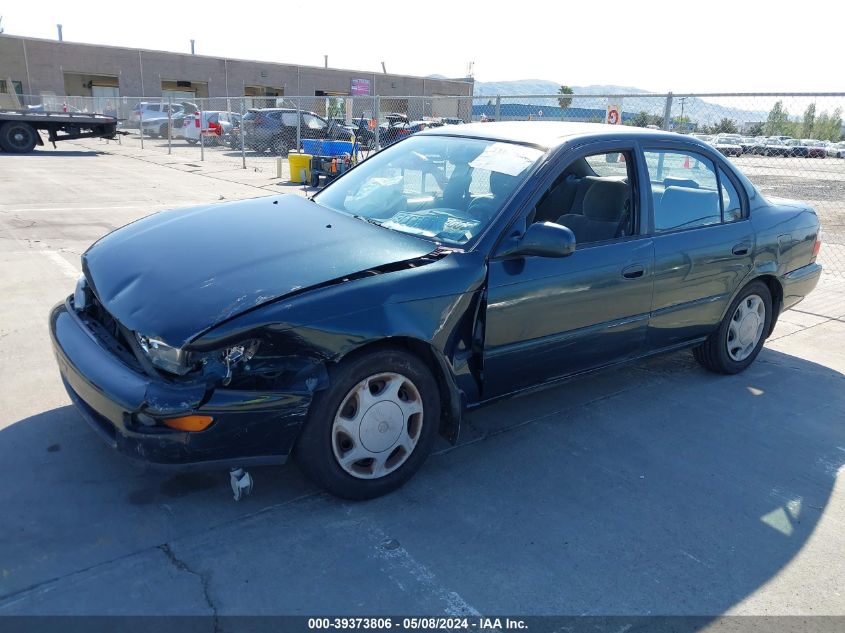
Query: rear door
(550, 317)
(703, 243)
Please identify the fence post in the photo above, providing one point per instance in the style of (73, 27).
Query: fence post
(169, 123)
(298, 123)
(667, 113)
(243, 152)
(376, 116)
(497, 114)
(202, 141)
(141, 124)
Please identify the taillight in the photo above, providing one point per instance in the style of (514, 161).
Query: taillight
(196, 119)
(816, 248)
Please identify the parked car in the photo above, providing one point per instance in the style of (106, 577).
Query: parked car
(460, 266)
(156, 127)
(815, 148)
(836, 150)
(215, 124)
(400, 130)
(151, 110)
(727, 146)
(798, 148)
(276, 129)
(746, 143)
(775, 147)
(450, 120)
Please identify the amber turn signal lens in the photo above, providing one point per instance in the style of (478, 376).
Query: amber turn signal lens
(190, 422)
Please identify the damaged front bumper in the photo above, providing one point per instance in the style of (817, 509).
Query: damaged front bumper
(123, 406)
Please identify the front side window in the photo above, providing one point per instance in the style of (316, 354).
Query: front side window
(592, 197)
(444, 188)
(684, 190)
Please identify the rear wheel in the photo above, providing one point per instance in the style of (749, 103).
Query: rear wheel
(741, 335)
(279, 147)
(191, 141)
(373, 428)
(18, 137)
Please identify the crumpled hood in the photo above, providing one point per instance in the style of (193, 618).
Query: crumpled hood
(175, 274)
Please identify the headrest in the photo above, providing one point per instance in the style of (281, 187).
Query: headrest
(605, 200)
(689, 207)
(501, 184)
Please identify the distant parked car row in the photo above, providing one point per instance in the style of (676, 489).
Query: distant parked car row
(271, 129)
(736, 145)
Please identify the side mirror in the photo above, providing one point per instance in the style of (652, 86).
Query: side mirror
(544, 239)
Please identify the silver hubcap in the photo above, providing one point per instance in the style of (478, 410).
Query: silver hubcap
(746, 327)
(377, 426)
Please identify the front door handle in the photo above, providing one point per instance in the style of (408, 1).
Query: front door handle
(633, 271)
(741, 249)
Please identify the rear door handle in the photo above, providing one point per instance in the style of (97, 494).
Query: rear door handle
(633, 271)
(741, 249)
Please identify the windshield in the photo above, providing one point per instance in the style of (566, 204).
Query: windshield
(445, 188)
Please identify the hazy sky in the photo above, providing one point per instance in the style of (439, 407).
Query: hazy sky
(682, 46)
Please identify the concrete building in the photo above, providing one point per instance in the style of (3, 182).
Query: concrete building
(49, 67)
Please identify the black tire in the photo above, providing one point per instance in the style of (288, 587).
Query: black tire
(713, 353)
(279, 147)
(18, 137)
(315, 450)
(192, 141)
(162, 131)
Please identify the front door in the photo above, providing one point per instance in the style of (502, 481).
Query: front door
(550, 317)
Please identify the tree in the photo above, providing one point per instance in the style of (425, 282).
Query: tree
(644, 119)
(777, 121)
(809, 121)
(756, 129)
(725, 126)
(565, 102)
(828, 127)
(335, 107)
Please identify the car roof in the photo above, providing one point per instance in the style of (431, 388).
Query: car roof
(550, 134)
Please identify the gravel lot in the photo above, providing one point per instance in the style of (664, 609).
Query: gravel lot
(651, 489)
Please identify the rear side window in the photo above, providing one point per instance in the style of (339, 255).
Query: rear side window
(684, 189)
(731, 202)
(154, 108)
(313, 123)
(289, 119)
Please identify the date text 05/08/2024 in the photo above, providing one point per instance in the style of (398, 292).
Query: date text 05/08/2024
(417, 624)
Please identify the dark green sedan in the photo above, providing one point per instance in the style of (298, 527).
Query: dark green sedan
(456, 267)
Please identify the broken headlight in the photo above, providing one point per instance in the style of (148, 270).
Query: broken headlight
(238, 355)
(164, 356)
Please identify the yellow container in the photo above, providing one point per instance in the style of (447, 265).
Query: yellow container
(300, 165)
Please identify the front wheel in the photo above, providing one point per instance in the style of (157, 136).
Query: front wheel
(18, 137)
(741, 335)
(372, 429)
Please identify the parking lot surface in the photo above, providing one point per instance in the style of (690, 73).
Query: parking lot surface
(655, 488)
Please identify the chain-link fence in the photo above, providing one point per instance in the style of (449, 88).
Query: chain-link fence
(789, 145)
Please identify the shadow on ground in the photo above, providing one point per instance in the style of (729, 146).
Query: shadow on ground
(49, 151)
(652, 489)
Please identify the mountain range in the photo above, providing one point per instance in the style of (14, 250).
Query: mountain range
(694, 107)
